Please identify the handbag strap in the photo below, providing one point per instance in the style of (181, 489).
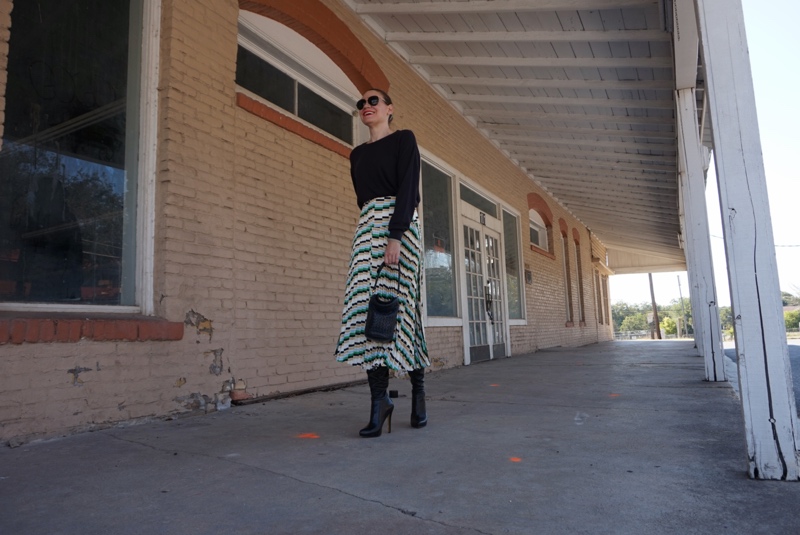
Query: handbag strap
(378, 274)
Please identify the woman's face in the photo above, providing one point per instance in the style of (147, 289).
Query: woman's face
(377, 114)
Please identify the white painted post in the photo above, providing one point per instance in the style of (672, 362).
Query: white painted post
(686, 42)
(765, 382)
(704, 307)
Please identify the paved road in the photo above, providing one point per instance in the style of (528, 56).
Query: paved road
(794, 359)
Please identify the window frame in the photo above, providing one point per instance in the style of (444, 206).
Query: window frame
(143, 73)
(541, 228)
(521, 266)
(261, 46)
(441, 321)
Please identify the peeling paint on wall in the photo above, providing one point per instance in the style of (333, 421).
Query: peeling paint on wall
(200, 322)
(216, 366)
(76, 371)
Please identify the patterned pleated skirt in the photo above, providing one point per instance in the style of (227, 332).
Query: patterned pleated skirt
(408, 350)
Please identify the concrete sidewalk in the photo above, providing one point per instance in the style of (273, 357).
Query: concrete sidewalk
(618, 438)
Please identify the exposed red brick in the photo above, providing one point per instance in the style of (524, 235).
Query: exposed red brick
(542, 252)
(284, 121)
(102, 330)
(62, 331)
(47, 331)
(537, 202)
(152, 330)
(160, 330)
(18, 330)
(322, 27)
(5, 331)
(87, 329)
(124, 330)
(174, 331)
(32, 330)
(562, 225)
(75, 328)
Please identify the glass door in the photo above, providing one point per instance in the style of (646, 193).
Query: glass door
(486, 325)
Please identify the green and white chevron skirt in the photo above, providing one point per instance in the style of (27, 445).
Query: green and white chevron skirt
(408, 350)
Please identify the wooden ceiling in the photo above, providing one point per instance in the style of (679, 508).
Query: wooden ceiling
(578, 93)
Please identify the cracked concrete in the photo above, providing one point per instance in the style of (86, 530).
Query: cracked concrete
(622, 438)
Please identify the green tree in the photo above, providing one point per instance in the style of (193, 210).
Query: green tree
(789, 299)
(726, 320)
(677, 308)
(635, 322)
(620, 311)
(668, 326)
(791, 319)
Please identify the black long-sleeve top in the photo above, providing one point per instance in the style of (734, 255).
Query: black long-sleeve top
(389, 167)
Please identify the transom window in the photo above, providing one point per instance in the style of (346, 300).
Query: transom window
(276, 76)
(470, 196)
(538, 230)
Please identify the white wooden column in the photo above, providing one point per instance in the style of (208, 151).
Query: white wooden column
(768, 402)
(698, 245)
(686, 43)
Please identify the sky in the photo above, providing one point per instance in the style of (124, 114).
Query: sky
(773, 41)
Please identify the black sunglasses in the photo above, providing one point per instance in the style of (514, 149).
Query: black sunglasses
(371, 100)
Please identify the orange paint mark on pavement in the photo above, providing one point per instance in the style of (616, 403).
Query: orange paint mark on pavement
(494, 384)
(614, 395)
(515, 459)
(308, 435)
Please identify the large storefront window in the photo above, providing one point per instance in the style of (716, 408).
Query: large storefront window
(513, 282)
(67, 184)
(440, 279)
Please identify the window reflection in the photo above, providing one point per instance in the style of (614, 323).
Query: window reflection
(63, 204)
(438, 237)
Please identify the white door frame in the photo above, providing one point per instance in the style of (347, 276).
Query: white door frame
(468, 214)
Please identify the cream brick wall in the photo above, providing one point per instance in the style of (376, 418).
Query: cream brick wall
(253, 232)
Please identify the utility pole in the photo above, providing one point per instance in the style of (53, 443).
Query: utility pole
(683, 309)
(656, 323)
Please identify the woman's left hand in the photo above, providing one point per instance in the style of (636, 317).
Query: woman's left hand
(392, 255)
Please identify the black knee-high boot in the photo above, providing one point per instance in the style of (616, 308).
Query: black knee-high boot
(419, 415)
(381, 407)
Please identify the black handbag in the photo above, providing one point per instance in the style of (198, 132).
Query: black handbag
(382, 314)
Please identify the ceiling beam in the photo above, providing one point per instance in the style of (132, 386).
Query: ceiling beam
(625, 248)
(537, 154)
(593, 164)
(579, 189)
(566, 101)
(661, 62)
(534, 83)
(590, 140)
(609, 155)
(609, 36)
(567, 183)
(612, 240)
(554, 170)
(568, 117)
(546, 168)
(577, 131)
(552, 182)
(627, 212)
(611, 188)
(497, 6)
(531, 144)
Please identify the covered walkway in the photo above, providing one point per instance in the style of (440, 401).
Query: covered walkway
(618, 437)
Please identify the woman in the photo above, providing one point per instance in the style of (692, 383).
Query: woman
(385, 173)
